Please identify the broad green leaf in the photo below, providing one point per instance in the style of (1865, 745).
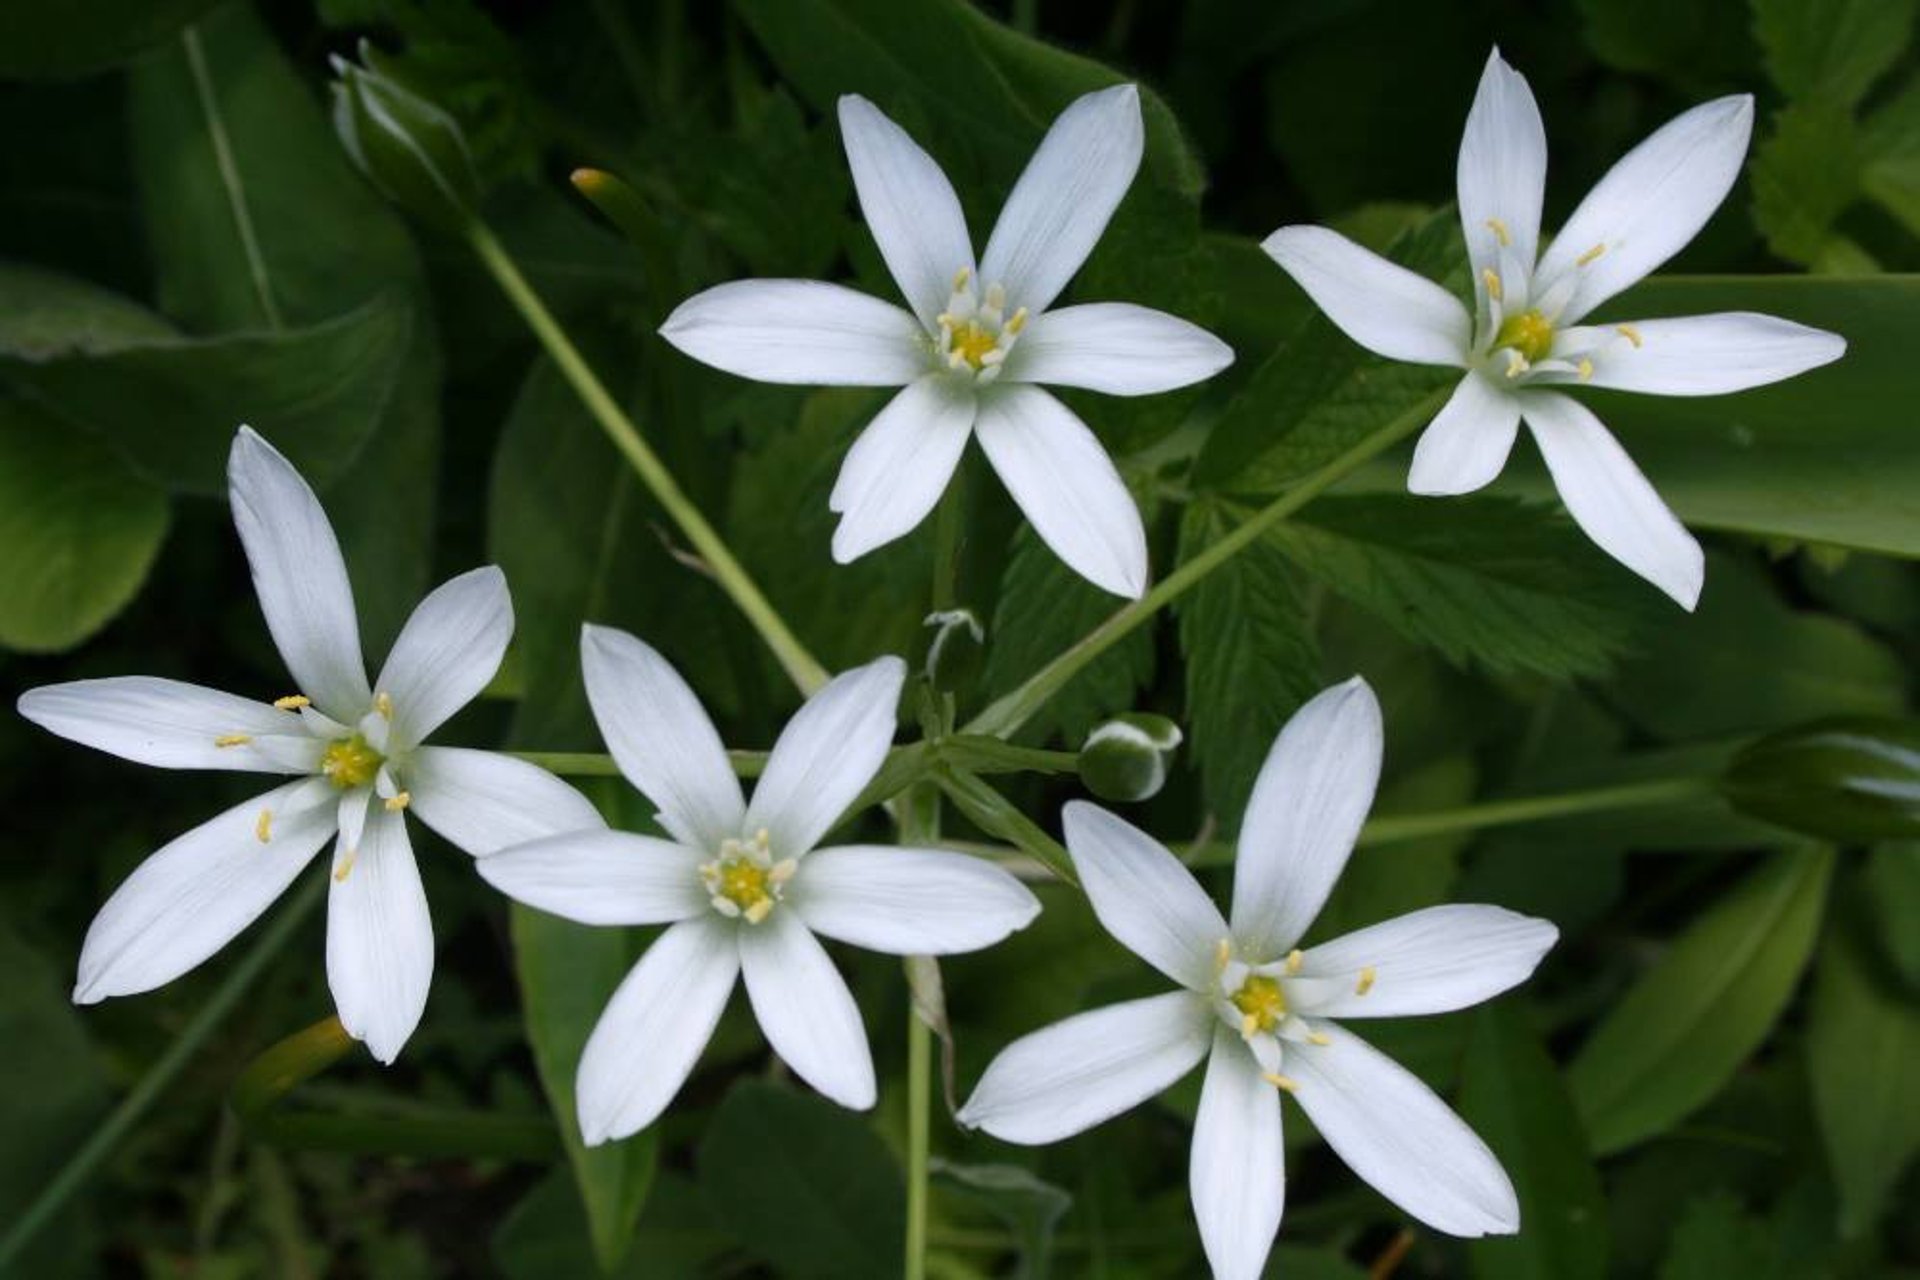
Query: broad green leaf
(78, 37)
(1716, 1238)
(78, 531)
(1831, 51)
(1486, 581)
(804, 1185)
(1379, 884)
(1250, 654)
(1029, 1206)
(1705, 1005)
(545, 1235)
(49, 315)
(1863, 1048)
(1511, 1093)
(1893, 890)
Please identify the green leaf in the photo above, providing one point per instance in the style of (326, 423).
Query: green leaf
(546, 1234)
(78, 532)
(1029, 1207)
(1890, 145)
(1251, 657)
(804, 1185)
(1831, 51)
(1805, 173)
(1717, 1238)
(1893, 880)
(567, 973)
(1486, 581)
(1692, 1019)
(1698, 45)
(1863, 1045)
(1412, 874)
(77, 37)
(1512, 1095)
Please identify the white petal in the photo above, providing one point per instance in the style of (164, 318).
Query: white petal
(1467, 443)
(1238, 1168)
(800, 331)
(898, 468)
(1381, 305)
(1065, 197)
(1502, 173)
(191, 897)
(1398, 1135)
(1068, 1077)
(601, 877)
(379, 938)
(1312, 794)
(1116, 347)
(480, 801)
(661, 737)
(1065, 484)
(909, 206)
(654, 1028)
(1711, 355)
(172, 725)
(1609, 498)
(803, 1005)
(1432, 961)
(353, 809)
(826, 756)
(1650, 204)
(448, 651)
(1143, 895)
(299, 576)
(925, 902)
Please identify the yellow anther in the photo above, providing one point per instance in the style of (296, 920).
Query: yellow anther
(1320, 1038)
(341, 872)
(1500, 232)
(1492, 279)
(1367, 977)
(383, 703)
(1516, 363)
(971, 343)
(1295, 958)
(1222, 954)
(1285, 1084)
(399, 801)
(758, 911)
(1249, 1024)
(1586, 370)
(1589, 255)
(293, 702)
(263, 826)
(350, 763)
(1261, 1003)
(961, 277)
(233, 740)
(1018, 322)
(1630, 333)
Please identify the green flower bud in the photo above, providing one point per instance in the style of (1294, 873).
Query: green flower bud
(1126, 758)
(408, 147)
(1854, 780)
(954, 652)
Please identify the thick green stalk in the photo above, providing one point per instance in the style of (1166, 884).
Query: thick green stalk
(1013, 710)
(800, 665)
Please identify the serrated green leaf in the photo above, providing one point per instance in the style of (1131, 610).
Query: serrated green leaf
(1831, 50)
(1692, 1019)
(1029, 1206)
(1695, 45)
(1890, 147)
(1805, 172)
(1486, 581)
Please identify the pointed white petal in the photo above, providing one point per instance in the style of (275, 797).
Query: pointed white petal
(1238, 1168)
(1066, 1078)
(800, 331)
(900, 465)
(1065, 197)
(172, 725)
(1144, 897)
(1465, 446)
(1116, 347)
(1398, 1135)
(826, 756)
(1381, 305)
(601, 877)
(1502, 173)
(661, 737)
(480, 801)
(192, 896)
(448, 651)
(909, 206)
(924, 902)
(1065, 484)
(379, 938)
(803, 1005)
(654, 1028)
(1312, 794)
(1649, 205)
(1611, 500)
(299, 576)
(1711, 355)
(1432, 961)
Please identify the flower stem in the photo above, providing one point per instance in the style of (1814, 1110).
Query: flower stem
(1505, 813)
(799, 665)
(74, 1174)
(919, 1108)
(1007, 714)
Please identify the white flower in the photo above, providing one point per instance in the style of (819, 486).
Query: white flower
(742, 886)
(1263, 1013)
(356, 750)
(976, 340)
(1526, 337)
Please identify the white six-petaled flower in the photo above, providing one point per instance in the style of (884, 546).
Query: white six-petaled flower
(742, 886)
(1265, 1013)
(1525, 338)
(975, 340)
(357, 750)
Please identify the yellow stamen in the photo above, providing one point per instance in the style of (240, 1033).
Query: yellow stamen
(1500, 232)
(1516, 363)
(1492, 278)
(1630, 333)
(1222, 954)
(341, 872)
(350, 763)
(1589, 255)
(397, 802)
(1367, 977)
(1295, 958)
(383, 703)
(1586, 370)
(233, 740)
(263, 826)
(1285, 1084)
(1261, 1003)
(1320, 1038)
(1528, 332)
(293, 702)
(971, 343)
(1018, 322)
(1249, 1024)
(961, 277)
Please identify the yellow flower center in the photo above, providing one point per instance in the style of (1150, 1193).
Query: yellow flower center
(1529, 333)
(1261, 1004)
(744, 882)
(971, 342)
(350, 763)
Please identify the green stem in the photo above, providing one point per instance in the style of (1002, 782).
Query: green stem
(102, 1141)
(230, 176)
(598, 764)
(919, 1112)
(1393, 829)
(1007, 714)
(799, 665)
